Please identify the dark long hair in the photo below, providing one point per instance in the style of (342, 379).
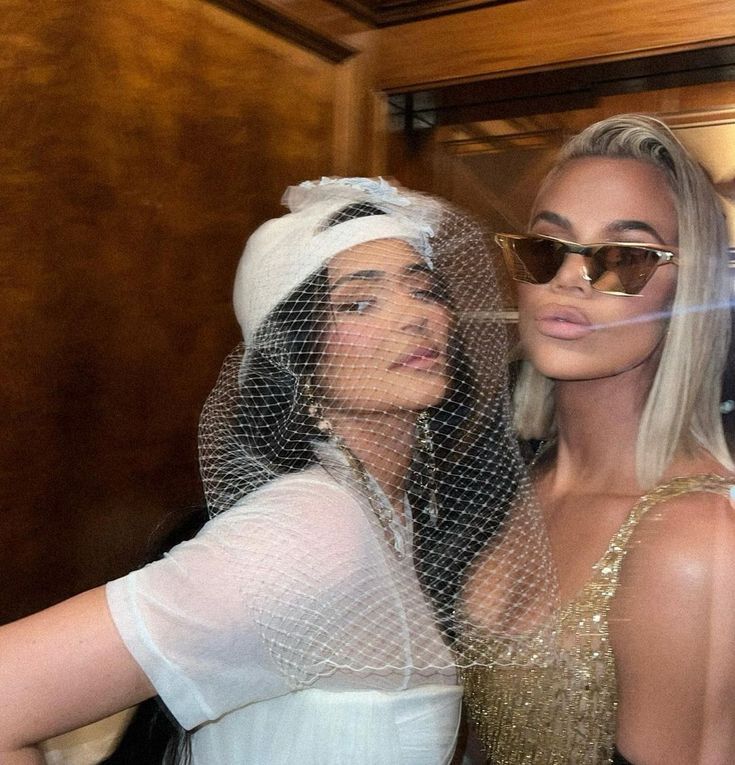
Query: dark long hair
(274, 427)
(475, 477)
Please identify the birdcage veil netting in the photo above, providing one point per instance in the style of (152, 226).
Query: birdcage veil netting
(374, 354)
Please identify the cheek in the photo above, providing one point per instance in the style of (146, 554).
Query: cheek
(642, 325)
(631, 344)
(348, 353)
(348, 341)
(628, 338)
(646, 315)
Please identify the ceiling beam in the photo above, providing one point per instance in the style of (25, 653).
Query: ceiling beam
(267, 17)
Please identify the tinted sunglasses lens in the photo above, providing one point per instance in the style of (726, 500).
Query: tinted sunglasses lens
(617, 269)
(531, 260)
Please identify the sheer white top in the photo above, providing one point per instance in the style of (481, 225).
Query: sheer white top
(289, 631)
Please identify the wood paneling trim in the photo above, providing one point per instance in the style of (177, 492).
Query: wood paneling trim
(274, 21)
(563, 89)
(538, 35)
(383, 13)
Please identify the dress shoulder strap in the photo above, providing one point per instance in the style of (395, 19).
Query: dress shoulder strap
(676, 487)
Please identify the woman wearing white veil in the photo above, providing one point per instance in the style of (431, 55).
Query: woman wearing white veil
(355, 452)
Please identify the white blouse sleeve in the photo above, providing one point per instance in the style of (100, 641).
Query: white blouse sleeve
(227, 618)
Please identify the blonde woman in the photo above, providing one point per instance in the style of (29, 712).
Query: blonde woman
(623, 299)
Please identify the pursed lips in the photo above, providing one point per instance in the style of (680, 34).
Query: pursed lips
(563, 322)
(417, 358)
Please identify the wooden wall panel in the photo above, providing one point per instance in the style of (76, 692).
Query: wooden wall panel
(544, 34)
(140, 142)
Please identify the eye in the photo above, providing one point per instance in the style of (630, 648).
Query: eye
(432, 294)
(355, 306)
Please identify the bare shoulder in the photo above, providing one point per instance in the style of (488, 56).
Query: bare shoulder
(683, 538)
(681, 552)
(672, 627)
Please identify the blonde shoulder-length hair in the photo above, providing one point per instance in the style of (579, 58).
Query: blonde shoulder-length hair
(683, 405)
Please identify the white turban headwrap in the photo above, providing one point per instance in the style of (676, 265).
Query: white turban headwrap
(285, 251)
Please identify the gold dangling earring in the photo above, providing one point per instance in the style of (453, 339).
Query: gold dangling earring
(425, 446)
(314, 407)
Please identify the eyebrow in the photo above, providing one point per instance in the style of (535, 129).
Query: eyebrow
(419, 268)
(374, 275)
(616, 227)
(622, 226)
(550, 217)
(369, 275)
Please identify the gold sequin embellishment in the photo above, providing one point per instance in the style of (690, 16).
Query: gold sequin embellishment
(561, 710)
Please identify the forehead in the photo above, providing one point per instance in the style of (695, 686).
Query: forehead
(391, 257)
(606, 189)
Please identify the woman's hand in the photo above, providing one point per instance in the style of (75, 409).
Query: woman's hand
(60, 669)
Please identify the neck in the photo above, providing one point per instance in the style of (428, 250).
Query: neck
(383, 442)
(598, 423)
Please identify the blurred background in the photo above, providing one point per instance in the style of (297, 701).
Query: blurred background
(141, 142)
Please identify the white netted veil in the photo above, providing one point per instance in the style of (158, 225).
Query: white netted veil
(283, 396)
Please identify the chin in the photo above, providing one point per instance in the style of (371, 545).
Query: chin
(604, 354)
(582, 372)
(410, 396)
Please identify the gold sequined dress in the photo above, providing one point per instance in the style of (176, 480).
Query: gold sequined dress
(560, 710)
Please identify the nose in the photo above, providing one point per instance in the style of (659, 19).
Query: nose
(572, 274)
(418, 317)
(409, 314)
(415, 322)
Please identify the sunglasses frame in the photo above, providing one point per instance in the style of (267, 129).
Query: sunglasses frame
(665, 255)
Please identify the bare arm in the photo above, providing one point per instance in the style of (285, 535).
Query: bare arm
(673, 633)
(60, 669)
